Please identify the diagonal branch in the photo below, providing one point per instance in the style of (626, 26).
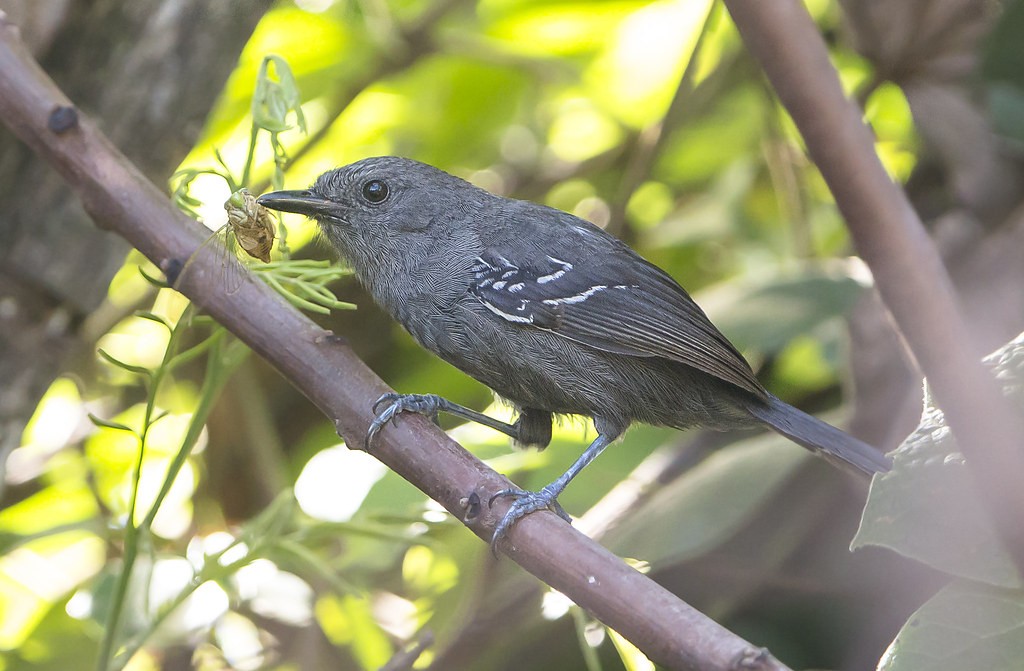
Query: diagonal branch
(891, 239)
(119, 198)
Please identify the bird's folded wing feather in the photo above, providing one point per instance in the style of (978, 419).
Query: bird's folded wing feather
(614, 302)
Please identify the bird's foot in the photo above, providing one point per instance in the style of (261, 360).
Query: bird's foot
(422, 404)
(524, 504)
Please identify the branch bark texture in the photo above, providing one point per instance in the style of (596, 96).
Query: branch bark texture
(119, 198)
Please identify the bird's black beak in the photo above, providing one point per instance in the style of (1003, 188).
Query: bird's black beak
(300, 202)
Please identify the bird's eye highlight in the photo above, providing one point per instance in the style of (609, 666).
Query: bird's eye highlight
(375, 191)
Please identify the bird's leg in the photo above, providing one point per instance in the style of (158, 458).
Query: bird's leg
(430, 405)
(528, 502)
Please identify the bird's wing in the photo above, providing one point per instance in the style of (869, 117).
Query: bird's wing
(616, 302)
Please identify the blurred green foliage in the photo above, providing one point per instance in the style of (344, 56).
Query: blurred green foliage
(645, 117)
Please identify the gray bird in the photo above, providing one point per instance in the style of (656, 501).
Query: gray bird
(549, 311)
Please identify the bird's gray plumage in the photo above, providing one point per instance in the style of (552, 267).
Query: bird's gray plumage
(546, 309)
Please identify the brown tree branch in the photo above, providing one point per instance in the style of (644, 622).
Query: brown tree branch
(889, 236)
(120, 199)
(511, 599)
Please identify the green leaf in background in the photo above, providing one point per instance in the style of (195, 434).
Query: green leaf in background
(1002, 69)
(710, 503)
(964, 626)
(1002, 58)
(709, 216)
(275, 98)
(1007, 104)
(58, 642)
(727, 132)
(777, 310)
(347, 620)
(927, 507)
(555, 29)
(638, 72)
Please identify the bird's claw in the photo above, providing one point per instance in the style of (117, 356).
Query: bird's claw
(389, 397)
(423, 404)
(525, 503)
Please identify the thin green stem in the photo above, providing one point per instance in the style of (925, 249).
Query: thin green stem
(131, 530)
(250, 155)
(590, 658)
(217, 373)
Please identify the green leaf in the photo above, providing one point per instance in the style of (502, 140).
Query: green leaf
(347, 620)
(155, 281)
(140, 370)
(109, 424)
(56, 509)
(1002, 71)
(153, 317)
(9, 541)
(928, 508)
(275, 98)
(55, 642)
(302, 283)
(1006, 103)
(631, 656)
(771, 315)
(964, 626)
(709, 504)
(559, 29)
(1002, 57)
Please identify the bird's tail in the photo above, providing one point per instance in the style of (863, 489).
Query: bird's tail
(819, 437)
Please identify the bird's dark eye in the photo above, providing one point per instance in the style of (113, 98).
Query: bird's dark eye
(375, 191)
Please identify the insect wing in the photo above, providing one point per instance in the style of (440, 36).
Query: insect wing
(232, 269)
(250, 228)
(220, 243)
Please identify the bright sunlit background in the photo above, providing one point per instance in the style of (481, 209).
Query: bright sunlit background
(276, 547)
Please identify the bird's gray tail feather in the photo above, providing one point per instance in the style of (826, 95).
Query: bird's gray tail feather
(819, 437)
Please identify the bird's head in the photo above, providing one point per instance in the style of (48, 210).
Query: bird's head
(388, 214)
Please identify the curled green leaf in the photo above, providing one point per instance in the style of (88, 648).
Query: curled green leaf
(153, 317)
(155, 281)
(139, 370)
(110, 424)
(275, 97)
